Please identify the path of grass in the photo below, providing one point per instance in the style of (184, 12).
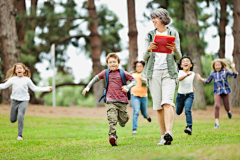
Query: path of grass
(71, 138)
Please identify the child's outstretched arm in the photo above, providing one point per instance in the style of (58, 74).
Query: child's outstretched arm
(199, 77)
(6, 84)
(126, 88)
(233, 74)
(183, 77)
(208, 80)
(90, 84)
(130, 78)
(36, 88)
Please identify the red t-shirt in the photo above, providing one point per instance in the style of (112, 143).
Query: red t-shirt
(115, 93)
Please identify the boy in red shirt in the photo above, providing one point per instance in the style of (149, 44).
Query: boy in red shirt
(116, 97)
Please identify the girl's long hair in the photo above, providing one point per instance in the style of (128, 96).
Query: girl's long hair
(224, 62)
(12, 72)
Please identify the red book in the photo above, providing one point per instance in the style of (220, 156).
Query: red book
(162, 43)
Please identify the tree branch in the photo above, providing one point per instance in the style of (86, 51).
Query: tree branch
(68, 38)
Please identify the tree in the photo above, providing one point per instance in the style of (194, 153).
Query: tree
(221, 21)
(95, 50)
(9, 41)
(234, 96)
(132, 34)
(192, 34)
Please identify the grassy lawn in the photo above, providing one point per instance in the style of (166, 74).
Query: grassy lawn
(72, 138)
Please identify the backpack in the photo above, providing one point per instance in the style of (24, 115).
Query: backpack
(106, 88)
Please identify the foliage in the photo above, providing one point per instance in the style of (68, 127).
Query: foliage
(67, 95)
(74, 138)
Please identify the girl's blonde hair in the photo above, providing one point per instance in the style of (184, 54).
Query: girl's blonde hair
(12, 72)
(224, 63)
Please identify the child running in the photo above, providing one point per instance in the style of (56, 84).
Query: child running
(116, 97)
(220, 71)
(185, 93)
(139, 96)
(19, 78)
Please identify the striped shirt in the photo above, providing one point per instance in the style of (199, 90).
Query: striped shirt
(221, 85)
(115, 93)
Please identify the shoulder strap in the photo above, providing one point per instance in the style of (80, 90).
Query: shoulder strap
(122, 76)
(106, 77)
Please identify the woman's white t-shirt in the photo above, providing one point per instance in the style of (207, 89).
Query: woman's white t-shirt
(185, 85)
(160, 58)
(20, 87)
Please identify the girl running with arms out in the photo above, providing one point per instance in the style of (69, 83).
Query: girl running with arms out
(19, 78)
(219, 74)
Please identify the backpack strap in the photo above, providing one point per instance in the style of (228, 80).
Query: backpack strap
(106, 86)
(124, 82)
(122, 76)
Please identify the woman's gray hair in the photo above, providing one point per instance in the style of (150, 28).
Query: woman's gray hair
(162, 14)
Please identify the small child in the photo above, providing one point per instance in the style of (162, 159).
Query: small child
(220, 71)
(139, 96)
(185, 94)
(18, 78)
(116, 97)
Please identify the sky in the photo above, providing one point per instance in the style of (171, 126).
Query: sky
(82, 66)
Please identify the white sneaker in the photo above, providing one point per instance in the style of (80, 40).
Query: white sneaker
(162, 141)
(19, 138)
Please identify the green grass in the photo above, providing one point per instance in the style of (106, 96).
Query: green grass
(73, 138)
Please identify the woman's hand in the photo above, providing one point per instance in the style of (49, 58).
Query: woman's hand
(152, 45)
(85, 91)
(50, 88)
(172, 46)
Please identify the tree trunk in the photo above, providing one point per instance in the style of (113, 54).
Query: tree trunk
(95, 44)
(132, 34)
(235, 83)
(9, 41)
(222, 28)
(192, 34)
(21, 11)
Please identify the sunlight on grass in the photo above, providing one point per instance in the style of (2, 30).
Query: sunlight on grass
(73, 138)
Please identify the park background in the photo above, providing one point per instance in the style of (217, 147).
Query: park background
(84, 32)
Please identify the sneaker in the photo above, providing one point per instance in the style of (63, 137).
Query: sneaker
(122, 125)
(229, 114)
(149, 119)
(113, 141)
(216, 126)
(134, 132)
(188, 131)
(19, 138)
(168, 137)
(162, 141)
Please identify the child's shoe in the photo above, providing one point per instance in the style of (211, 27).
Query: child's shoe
(168, 137)
(113, 141)
(134, 132)
(122, 125)
(19, 138)
(229, 114)
(162, 141)
(149, 119)
(216, 126)
(188, 130)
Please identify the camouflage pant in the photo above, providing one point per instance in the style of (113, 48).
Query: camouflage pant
(116, 112)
